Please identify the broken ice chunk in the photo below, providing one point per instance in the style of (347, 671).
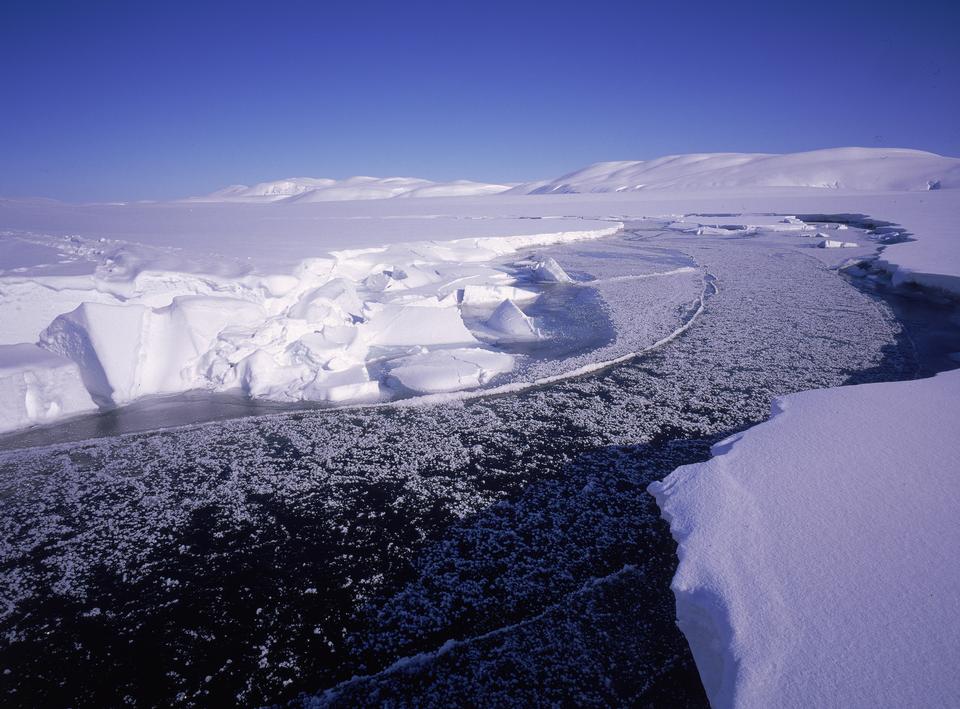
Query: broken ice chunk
(449, 370)
(549, 271)
(478, 294)
(400, 325)
(334, 300)
(834, 244)
(511, 323)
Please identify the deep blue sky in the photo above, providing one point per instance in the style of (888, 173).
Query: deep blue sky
(128, 100)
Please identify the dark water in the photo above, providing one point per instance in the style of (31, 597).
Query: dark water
(931, 322)
(497, 551)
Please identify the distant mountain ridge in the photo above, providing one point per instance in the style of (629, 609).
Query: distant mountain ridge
(872, 169)
(314, 189)
(876, 169)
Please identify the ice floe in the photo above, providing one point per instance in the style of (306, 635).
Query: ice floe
(817, 551)
(835, 244)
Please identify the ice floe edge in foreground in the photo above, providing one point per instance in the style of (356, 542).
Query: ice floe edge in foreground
(817, 551)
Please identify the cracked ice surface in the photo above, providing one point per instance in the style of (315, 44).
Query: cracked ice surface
(485, 549)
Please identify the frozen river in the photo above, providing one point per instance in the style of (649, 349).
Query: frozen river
(501, 548)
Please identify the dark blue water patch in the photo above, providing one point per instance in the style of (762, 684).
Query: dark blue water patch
(154, 412)
(930, 320)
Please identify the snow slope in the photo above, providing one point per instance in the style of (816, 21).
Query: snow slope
(817, 551)
(313, 189)
(839, 168)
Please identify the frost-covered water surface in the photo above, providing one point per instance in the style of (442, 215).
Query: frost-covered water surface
(501, 549)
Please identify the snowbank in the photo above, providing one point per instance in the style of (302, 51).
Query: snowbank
(817, 551)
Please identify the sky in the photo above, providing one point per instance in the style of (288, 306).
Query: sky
(158, 100)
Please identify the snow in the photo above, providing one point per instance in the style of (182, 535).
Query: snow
(37, 386)
(509, 322)
(145, 319)
(450, 369)
(933, 260)
(873, 169)
(313, 189)
(817, 551)
(549, 271)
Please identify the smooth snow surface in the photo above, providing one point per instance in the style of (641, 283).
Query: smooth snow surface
(818, 551)
(874, 169)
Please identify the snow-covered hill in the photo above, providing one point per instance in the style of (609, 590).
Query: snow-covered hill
(314, 189)
(873, 169)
